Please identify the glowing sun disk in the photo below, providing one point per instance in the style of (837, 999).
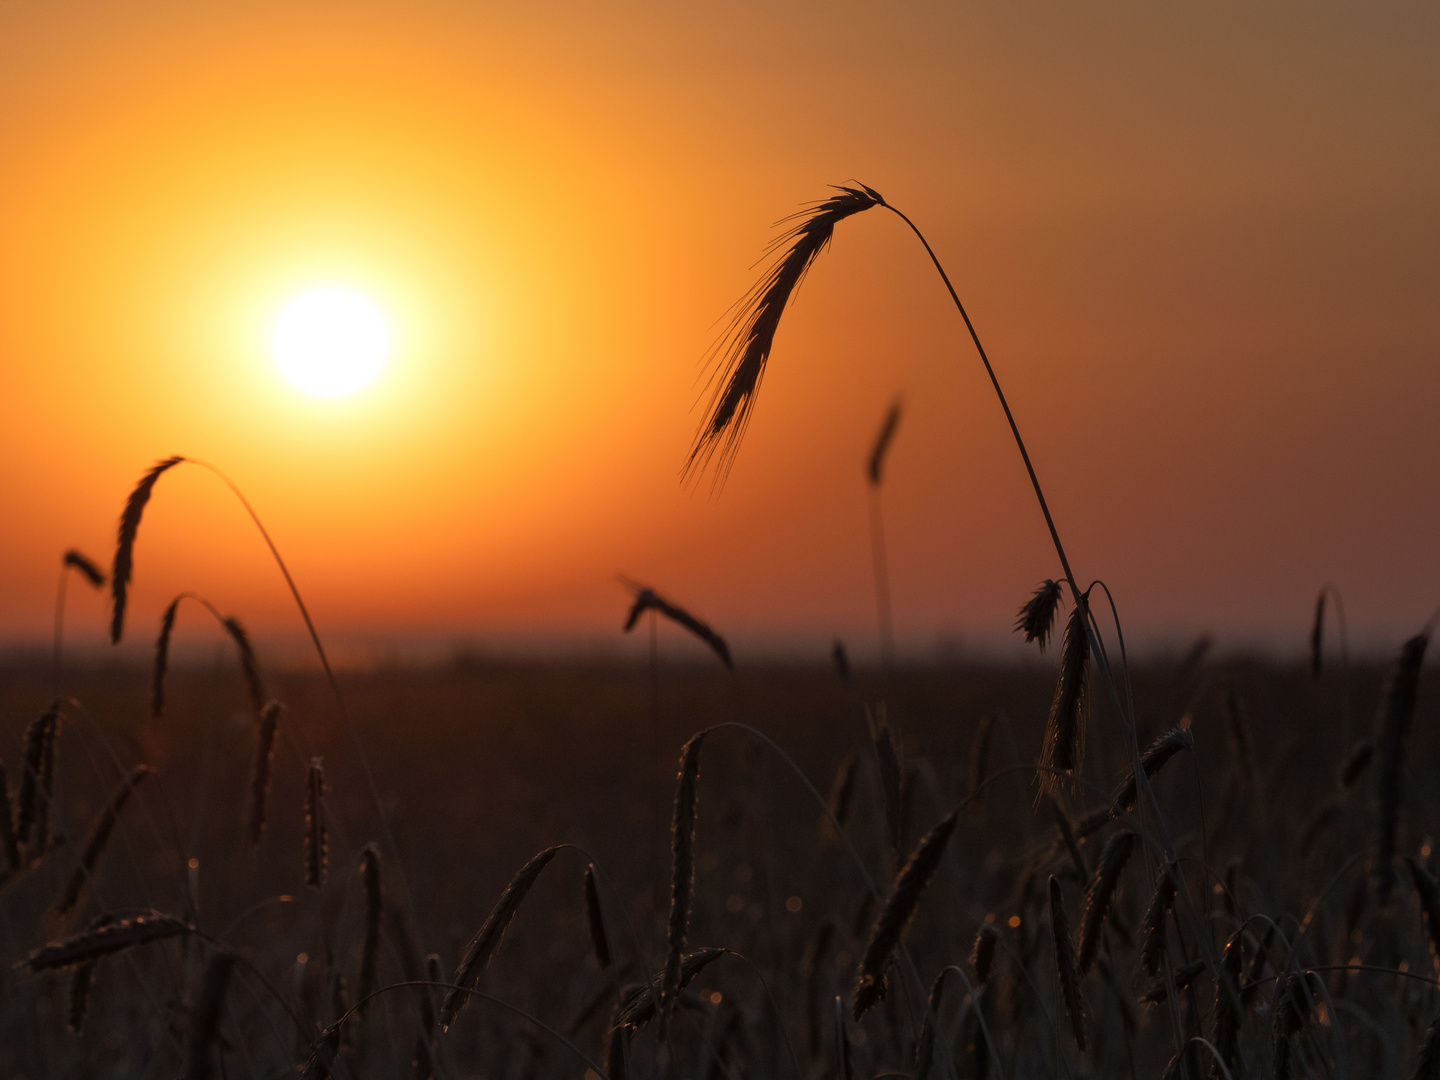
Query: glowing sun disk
(331, 341)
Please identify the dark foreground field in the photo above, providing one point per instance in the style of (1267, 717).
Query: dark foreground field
(480, 767)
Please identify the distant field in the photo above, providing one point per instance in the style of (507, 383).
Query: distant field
(479, 767)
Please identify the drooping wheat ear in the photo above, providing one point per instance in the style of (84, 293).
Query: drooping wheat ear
(1159, 990)
(595, 920)
(638, 1007)
(125, 543)
(1325, 815)
(982, 953)
(616, 1052)
(647, 599)
(980, 752)
(1152, 761)
(86, 566)
(248, 664)
(874, 469)
(682, 872)
(486, 941)
(1427, 1061)
(40, 732)
(1065, 965)
(8, 840)
(842, 789)
(1317, 637)
(1067, 835)
(1064, 747)
(82, 979)
(260, 776)
(1354, 765)
(1101, 895)
(925, 1048)
(1157, 912)
(740, 354)
(102, 941)
(888, 761)
(1037, 615)
(205, 1018)
(374, 908)
(1227, 1011)
(1396, 712)
(317, 834)
(1428, 894)
(895, 915)
(162, 658)
(97, 839)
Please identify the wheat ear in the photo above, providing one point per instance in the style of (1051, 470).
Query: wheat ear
(1227, 1001)
(260, 776)
(1396, 713)
(1152, 761)
(97, 839)
(40, 731)
(638, 1006)
(8, 841)
(1101, 895)
(1037, 615)
(982, 953)
(102, 941)
(1153, 941)
(925, 1048)
(647, 599)
(125, 543)
(895, 915)
(317, 836)
(682, 872)
(1064, 744)
(487, 939)
(374, 908)
(1065, 965)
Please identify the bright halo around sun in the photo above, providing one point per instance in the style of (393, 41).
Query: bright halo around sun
(331, 341)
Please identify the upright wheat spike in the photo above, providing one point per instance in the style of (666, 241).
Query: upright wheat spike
(895, 915)
(1063, 749)
(260, 776)
(682, 872)
(1396, 712)
(1065, 965)
(487, 939)
(205, 1018)
(370, 946)
(97, 839)
(125, 544)
(317, 837)
(40, 731)
(925, 1049)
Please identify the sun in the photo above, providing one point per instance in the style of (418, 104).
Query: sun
(331, 341)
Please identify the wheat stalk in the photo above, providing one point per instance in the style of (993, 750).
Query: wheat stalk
(97, 839)
(487, 939)
(895, 915)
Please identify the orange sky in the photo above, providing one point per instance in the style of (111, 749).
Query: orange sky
(1201, 242)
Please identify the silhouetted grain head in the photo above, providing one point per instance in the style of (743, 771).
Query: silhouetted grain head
(1037, 615)
(682, 871)
(887, 759)
(105, 940)
(1159, 989)
(1396, 710)
(248, 664)
(374, 907)
(37, 735)
(205, 1018)
(925, 1048)
(638, 1006)
(740, 355)
(86, 567)
(647, 599)
(317, 833)
(1354, 765)
(45, 797)
(1065, 965)
(841, 659)
(260, 774)
(1317, 637)
(9, 842)
(1064, 747)
(486, 941)
(96, 841)
(82, 980)
(595, 920)
(1152, 761)
(162, 658)
(1101, 895)
(125, 543)
(1427, 1061)
(1428, 894)
(895, 915)
(982, 953)
(1153, 942)
(874, 469)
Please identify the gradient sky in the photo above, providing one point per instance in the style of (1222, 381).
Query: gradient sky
(1201, 243)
